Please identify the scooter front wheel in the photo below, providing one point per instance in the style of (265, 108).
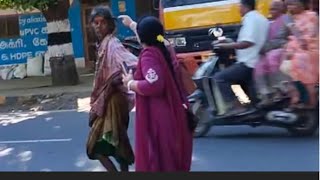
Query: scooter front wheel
(201, 130)
(202, 127)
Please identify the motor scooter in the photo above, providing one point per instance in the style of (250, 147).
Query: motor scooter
(208, 105)
(132, 44)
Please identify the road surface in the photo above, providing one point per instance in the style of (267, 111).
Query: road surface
(55, 141)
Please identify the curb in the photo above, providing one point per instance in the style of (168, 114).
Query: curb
(39, 101)
(4, 100)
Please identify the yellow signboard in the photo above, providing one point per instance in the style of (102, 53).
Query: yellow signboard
(122, 6)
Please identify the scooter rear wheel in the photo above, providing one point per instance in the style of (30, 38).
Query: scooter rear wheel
(307, 125)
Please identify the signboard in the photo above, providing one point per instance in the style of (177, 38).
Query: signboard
(32, 41)
(122, 6)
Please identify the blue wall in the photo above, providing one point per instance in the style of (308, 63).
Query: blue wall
(33, 37)
(129, 10)
(76, 29)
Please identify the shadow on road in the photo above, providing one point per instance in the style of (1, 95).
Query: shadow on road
(56, 142)
(45, 142)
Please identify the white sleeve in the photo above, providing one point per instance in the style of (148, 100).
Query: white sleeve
(133, 27)
(247, 32)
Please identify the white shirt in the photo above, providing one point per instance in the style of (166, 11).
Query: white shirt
(254, 29)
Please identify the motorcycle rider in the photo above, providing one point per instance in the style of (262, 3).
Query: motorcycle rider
(251, 38)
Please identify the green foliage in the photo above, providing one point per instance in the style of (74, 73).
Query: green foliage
(23, 5)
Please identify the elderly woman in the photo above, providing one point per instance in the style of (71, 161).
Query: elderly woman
(110, 100)
(267, 69)
(302, 54)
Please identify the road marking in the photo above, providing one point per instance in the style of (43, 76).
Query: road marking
(74, 110)
(38, 112)
(52, 111)
(35, 141)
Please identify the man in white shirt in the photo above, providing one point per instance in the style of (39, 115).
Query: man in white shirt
(251, 38)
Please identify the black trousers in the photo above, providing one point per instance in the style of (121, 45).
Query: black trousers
(237, 73)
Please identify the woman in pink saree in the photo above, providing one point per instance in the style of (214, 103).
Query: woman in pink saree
(302, 54)
(163, 141)
(267, 73)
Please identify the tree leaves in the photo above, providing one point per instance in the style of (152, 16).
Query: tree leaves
(23, 5)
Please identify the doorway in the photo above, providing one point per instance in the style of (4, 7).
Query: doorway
(89, 36)
(145, 7)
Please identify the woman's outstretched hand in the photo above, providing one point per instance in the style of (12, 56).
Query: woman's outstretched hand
(126, 20)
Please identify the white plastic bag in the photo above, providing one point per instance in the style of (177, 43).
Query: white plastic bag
(35, 66)
(47, 68)
(285, 67)
(20, 72)
(7, 72)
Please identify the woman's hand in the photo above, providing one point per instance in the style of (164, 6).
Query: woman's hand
(126, 20)
(127, 78)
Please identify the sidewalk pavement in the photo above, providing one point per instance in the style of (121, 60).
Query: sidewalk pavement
(32, 86)
(14, 90)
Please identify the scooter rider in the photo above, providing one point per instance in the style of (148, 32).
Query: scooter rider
(251, 38)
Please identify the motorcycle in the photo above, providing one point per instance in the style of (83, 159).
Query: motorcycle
(132, 44)
(207, 105)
